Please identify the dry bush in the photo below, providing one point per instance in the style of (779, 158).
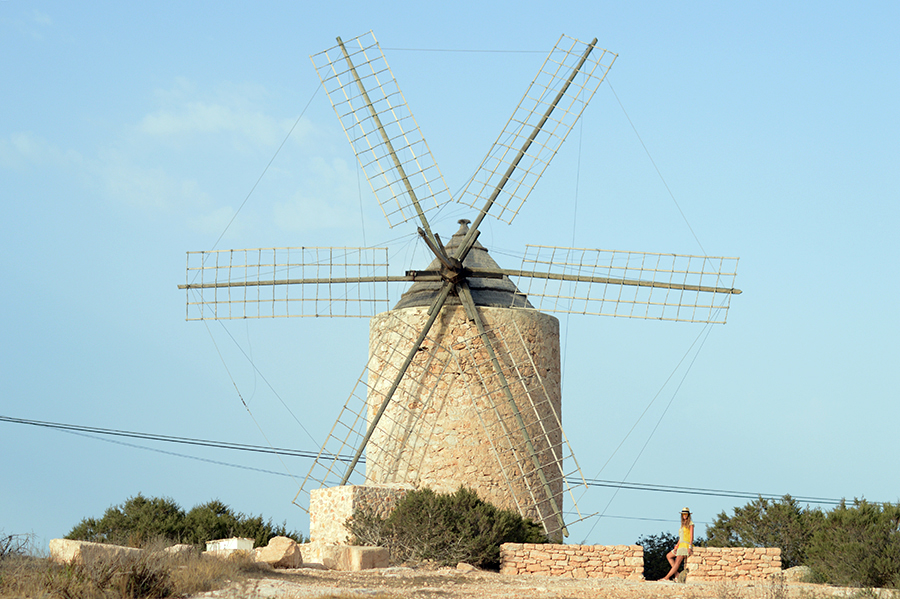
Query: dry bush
(23, 576)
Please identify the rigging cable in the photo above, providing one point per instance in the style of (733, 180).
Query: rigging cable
(262, 376)
(708, 329)
(266, 169)
(653, 162)
(565, 346)
(246, 407)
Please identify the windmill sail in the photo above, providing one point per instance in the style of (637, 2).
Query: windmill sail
(284, 282)
(645, 285)
(383, 132)
(553, 91)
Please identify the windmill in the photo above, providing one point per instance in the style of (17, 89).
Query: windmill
(462, 385)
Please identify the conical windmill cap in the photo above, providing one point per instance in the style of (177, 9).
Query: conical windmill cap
(496, 293)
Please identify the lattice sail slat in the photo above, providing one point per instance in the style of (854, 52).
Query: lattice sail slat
(285, 282)
(377, 140)
(541, 94)
(630, 284)
(506, 436)
(348, 432)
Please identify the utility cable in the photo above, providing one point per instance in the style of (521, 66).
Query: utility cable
(180, 455)
(162, 438)
(93, 431)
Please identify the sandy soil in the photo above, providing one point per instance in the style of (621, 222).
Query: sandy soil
(454, 584)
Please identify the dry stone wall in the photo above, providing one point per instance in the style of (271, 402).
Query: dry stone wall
(573, 561)
(330, 508)
(733, 563)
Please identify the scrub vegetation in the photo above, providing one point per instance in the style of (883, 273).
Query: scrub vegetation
(445, 529)
(149, 574)
(151, 524)
(141, 520)
(855, 545)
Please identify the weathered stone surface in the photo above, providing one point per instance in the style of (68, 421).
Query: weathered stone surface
(797, 574)
(573, 561)
(364, 558)
(465, 568)
(68, 551)
(348, 558)
(329, 509)
(733, 563)
(180, 549)
(447, 447)
(281, 552)
(228, 548)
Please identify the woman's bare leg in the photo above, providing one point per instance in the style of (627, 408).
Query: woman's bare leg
(670, 556)
(675, 561)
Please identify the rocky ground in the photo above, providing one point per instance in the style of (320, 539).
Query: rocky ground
(449, 583)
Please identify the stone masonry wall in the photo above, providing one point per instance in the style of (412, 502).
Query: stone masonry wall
(733, 563)
(330, 508)
(449, 424)
(573, 561)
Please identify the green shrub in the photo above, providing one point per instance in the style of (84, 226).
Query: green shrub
(140, 521)
(858, 545)
(445, 529)
(655, 549)
(135, 523)
(765, 523)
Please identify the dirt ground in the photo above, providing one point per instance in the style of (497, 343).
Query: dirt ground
(449, 583)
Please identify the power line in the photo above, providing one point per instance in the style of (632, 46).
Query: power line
(170, 439)
(698, 491)
(633, 486)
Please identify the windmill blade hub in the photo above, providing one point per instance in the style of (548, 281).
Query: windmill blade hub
(494, 291)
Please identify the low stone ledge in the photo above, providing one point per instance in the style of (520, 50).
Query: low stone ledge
(733, 563)
(68, 551)
(349, 558)
(329, 509)
(573, 561)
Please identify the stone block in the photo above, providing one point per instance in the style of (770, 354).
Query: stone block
(180, 549)
(225, 548)
(350, 558)
(365, 558)
(67, 551)
(281, 552)
(330, 508)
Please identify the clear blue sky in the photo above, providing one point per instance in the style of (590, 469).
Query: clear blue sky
(130, 135)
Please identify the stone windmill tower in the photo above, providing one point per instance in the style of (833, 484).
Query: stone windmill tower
(462, 385)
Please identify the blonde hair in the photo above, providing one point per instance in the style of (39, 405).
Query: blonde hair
(687, 522)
